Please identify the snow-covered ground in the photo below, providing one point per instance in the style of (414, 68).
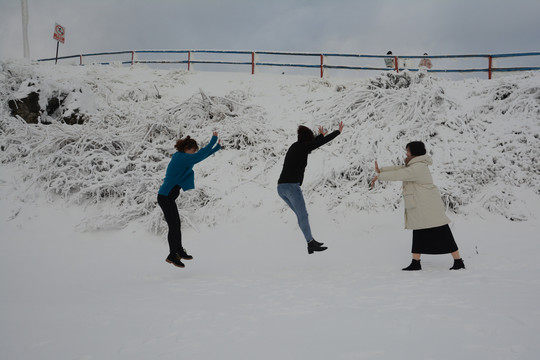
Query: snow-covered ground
(82, 264)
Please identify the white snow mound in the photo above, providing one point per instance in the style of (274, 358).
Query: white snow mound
(483, 135)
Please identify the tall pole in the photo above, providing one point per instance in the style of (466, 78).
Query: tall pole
(24, 6)
(57, 45)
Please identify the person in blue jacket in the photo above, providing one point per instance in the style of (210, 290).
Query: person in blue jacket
(180, 175)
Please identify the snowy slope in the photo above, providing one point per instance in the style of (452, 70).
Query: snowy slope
(483, 136)
(252, 291)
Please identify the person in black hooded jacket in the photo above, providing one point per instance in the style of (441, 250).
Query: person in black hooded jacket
(292, 177)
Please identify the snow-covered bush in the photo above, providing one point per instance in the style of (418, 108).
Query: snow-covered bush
(484, 137)
(490, 139)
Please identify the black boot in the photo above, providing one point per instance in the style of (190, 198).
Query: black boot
(175, 259)
(315, 246)
(184, 255)
(415, 265)
(316, 242)
(458, 264)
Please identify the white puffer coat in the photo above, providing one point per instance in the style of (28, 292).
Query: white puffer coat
(423, 204)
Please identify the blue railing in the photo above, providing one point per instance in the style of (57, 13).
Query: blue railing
(322, 60)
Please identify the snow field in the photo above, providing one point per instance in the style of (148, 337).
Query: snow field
(252, 290)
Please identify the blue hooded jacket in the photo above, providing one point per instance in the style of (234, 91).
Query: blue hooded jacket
(180, 169)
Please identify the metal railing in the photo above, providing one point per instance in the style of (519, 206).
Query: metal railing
(322, 60)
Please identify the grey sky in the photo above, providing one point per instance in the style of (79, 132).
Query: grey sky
(361, 26)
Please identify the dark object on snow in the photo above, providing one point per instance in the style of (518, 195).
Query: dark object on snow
(458, 264)
(175, 259)
(27, 108)
(415, 265)
(52, 105)
(391, 80)
(56, 109)
(184, 255)
(76, 118)
(315, 246)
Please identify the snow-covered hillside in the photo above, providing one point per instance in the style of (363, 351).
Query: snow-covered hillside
(253, 292)
(483, 136)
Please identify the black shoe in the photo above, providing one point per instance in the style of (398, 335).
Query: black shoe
(315, 246)
(415, 265)
(458, 264)
(175, 260)
(184, 255)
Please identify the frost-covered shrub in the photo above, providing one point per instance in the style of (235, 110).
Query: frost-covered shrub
(119, 156)
(484, 137)
(492, 144)
(391, 80)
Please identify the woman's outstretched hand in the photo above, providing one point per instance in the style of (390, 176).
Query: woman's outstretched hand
(324, 132)
(374, 180)
(215, 134)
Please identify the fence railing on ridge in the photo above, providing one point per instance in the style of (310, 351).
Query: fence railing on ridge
(401, 62)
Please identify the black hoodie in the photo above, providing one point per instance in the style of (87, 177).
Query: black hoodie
(295, 162)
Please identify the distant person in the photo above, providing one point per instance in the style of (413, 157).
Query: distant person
(424, 209)
(180, 175)
(425, 63)
(390, 62)
(292, 176)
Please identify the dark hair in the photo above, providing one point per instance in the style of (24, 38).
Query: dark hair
(389, 53)
(417, 148)
(305, 134)
(187, 143)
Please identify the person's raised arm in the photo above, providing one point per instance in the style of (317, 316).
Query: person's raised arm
(218, 145)
(408, 173)
(205, 151)
(322, 139)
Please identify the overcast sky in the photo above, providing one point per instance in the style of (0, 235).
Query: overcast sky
(407, 27)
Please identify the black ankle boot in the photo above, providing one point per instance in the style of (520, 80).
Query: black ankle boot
(458, 264)
(415, 265)
(315, 246)
(316, 242)
(184, 255)
(175, 259)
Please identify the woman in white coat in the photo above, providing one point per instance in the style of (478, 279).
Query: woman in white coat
(424, 209)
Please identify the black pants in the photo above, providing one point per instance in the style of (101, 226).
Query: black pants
(168, 205)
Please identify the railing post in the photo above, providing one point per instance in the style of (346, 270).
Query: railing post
(132, 57)
(80, 59)
(252, 63)
(322, 65)
(489, 66)
(396, 64)
(188, 60)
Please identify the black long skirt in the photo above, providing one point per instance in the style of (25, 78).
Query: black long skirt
(437, 240)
